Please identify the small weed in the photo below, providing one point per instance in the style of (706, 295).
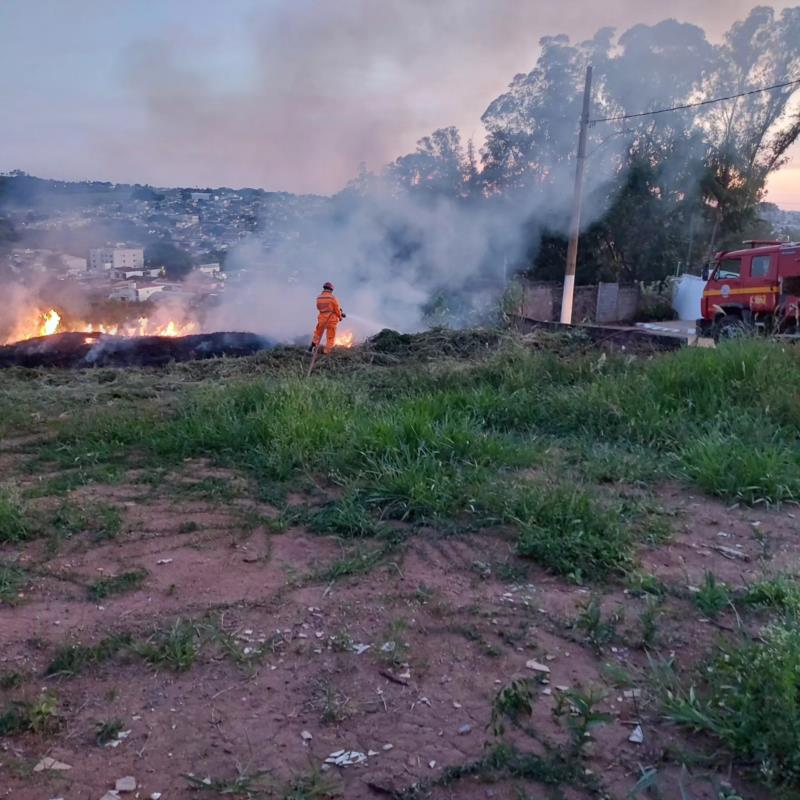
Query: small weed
(512, 703)
(210, 488)
(599, 631)
(40, 716)
(360, 561)
(107, 522)
(347, 518)
(749, 702)
(176, 648)
(579, 708)
(12, 580)
(641, 584)
(781, 592)
(424, 594)
(649, 621)
(509, 572)
(616, 675)
(103, 521)
(341, 642)
(249, 785)
(71, 659)
(393, 650)
(503, 760)
(190, 526)
(10, 680)
(118, 584)
(14, 523)
(331, 704)
(712, 597)
(69, 519)
(310, 785)
(106, 732)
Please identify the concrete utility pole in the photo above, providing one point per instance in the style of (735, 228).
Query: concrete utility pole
(575, 222)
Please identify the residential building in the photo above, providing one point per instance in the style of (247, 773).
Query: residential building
(116, 258)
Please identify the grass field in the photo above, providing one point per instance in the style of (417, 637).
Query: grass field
(467, 505)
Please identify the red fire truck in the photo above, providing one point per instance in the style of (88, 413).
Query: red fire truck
(751, 290)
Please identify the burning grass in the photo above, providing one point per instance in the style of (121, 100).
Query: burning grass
(48, 322)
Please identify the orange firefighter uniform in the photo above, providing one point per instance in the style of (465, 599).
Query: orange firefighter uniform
(328, 317)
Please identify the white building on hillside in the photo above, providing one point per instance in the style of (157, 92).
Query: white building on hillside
(117, 258)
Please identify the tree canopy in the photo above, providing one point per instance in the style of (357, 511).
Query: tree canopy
(662, 191)
(177, 263)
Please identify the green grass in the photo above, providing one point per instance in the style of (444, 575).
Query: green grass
(14, 525)
(107, 731)
(41, 716)
(444, 444)
(749, 702)
(177, 647)
(780, 592)
(71, 659)
(13, 580)
(117, 584)
(102, 520)
(712, 597)
(570, 532)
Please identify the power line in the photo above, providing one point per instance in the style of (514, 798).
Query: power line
(621, 117)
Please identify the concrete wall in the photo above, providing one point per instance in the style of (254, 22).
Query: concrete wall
(606, 302)
(538, 300)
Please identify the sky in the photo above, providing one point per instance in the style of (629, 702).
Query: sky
(281, 94)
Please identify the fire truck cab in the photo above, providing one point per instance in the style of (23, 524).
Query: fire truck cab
(750, 290)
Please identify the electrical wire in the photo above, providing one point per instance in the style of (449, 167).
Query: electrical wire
(621, 117)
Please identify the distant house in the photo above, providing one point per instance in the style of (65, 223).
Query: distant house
(116, 258)
(74, 265)
(211, 270)
(145, 272)
(125, 293)
(200, 196)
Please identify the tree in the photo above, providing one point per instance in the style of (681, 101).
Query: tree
(177, 263)
(662, 190)
(437, 167)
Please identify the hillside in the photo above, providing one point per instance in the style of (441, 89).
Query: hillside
(481, 564)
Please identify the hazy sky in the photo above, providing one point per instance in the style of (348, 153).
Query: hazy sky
(283, 94)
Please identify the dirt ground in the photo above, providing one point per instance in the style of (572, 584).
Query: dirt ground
(400, 663)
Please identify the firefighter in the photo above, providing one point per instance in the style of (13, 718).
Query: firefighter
(329, 315)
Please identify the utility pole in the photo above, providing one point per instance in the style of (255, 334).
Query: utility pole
(575, 222)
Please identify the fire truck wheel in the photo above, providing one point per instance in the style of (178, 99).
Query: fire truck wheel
(731, 327)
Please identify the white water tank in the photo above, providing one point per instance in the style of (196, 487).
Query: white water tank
(687, 292)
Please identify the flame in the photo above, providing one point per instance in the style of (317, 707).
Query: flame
(46, 323)
(345, 339)
(50, 322)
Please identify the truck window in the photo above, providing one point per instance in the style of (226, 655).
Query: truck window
(729, 268)
(759, 267)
